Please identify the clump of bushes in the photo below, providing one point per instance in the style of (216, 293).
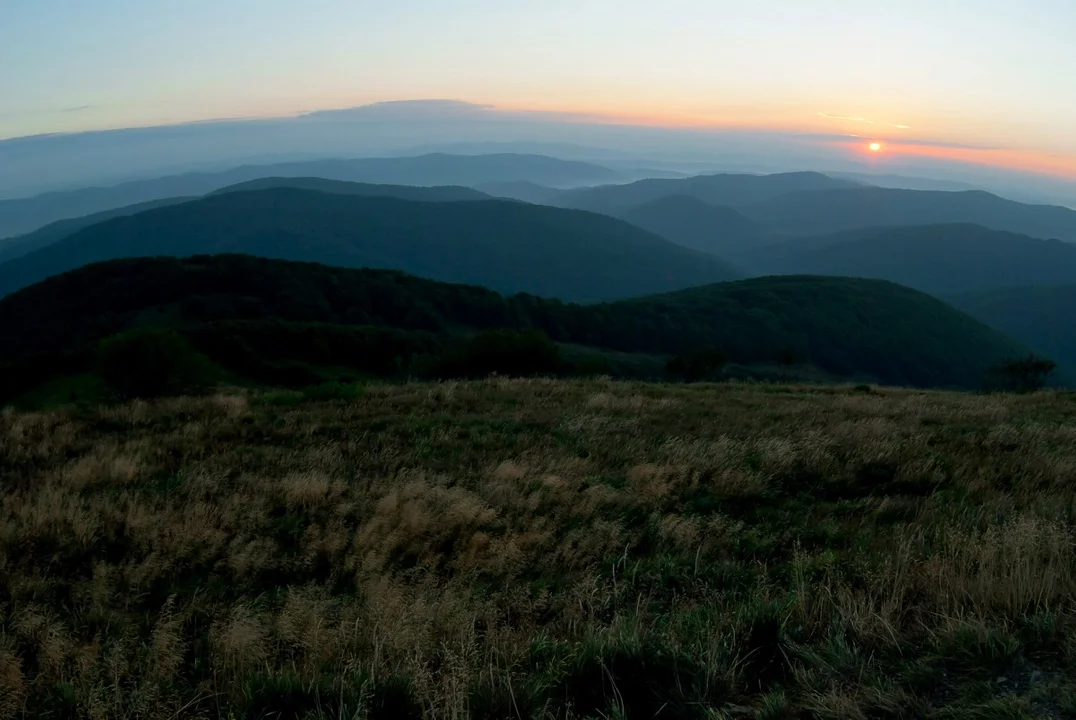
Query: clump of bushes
(152, 362)
(503, 352)
(703, 365)
(1021, 375)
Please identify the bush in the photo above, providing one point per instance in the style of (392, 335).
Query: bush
(696, 366)
(504, 352)
(152, 362)
(333, 391)
(1021, 375)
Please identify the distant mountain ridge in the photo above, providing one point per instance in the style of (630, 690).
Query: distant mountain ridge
(522, 190)
(939, 259)
(691, 222)
(807, 204)
(732, 190)
(504, 245)
(438, 193)
(18, 246)
(20, 216)
(837, 210)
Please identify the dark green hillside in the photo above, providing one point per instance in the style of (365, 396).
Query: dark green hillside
(688, 221)
(381, 322)
(727, 190)
(25, 244)
(843, 325)
(1043, 318)
(445, 193)
(11, 248)
(507, 246)
(830, 211)
(939, 259)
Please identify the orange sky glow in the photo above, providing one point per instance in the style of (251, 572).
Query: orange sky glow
(899, 138)
(1044, 163)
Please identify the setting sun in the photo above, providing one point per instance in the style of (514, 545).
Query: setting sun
(875, 147)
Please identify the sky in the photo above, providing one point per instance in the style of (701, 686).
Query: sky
(985, 81)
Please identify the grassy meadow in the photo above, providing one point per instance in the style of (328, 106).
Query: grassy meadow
(542, 549)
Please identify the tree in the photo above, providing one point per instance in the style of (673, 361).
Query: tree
(151, 362)
(786, 358)
(696, 366)
(1021, 375)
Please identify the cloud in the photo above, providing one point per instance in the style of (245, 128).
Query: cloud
(38, 112)
(866, 121)
(409, 109)
(846, 117)
(946, 144)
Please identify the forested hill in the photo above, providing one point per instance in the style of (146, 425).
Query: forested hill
(13, 247)
(1040, 317)
(843, 326)
(504, 245)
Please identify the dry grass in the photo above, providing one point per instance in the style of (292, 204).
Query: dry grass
(514, 549)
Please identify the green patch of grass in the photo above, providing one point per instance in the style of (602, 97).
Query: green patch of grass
(85, 389)
(333, 391)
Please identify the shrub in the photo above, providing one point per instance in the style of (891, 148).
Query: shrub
(504, 352)
(152, 362)
(1021, 375)
(333, 391)
(697, 365)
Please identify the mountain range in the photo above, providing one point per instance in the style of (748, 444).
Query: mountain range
(438, 193)
(728, 190)
(836, 210)
(939, 259)
(504, 245)
(635, 239)
(20, 216)
(329, 316)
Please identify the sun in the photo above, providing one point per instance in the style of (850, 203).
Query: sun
(875, 147)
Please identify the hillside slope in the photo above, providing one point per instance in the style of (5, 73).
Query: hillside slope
(726, 189)
(25, 244)
(939, 259)
(688, 221)
(1039, 317)
(11, 248)
(25, 215)
(830, 211)
(844, 326)
(508, 246)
